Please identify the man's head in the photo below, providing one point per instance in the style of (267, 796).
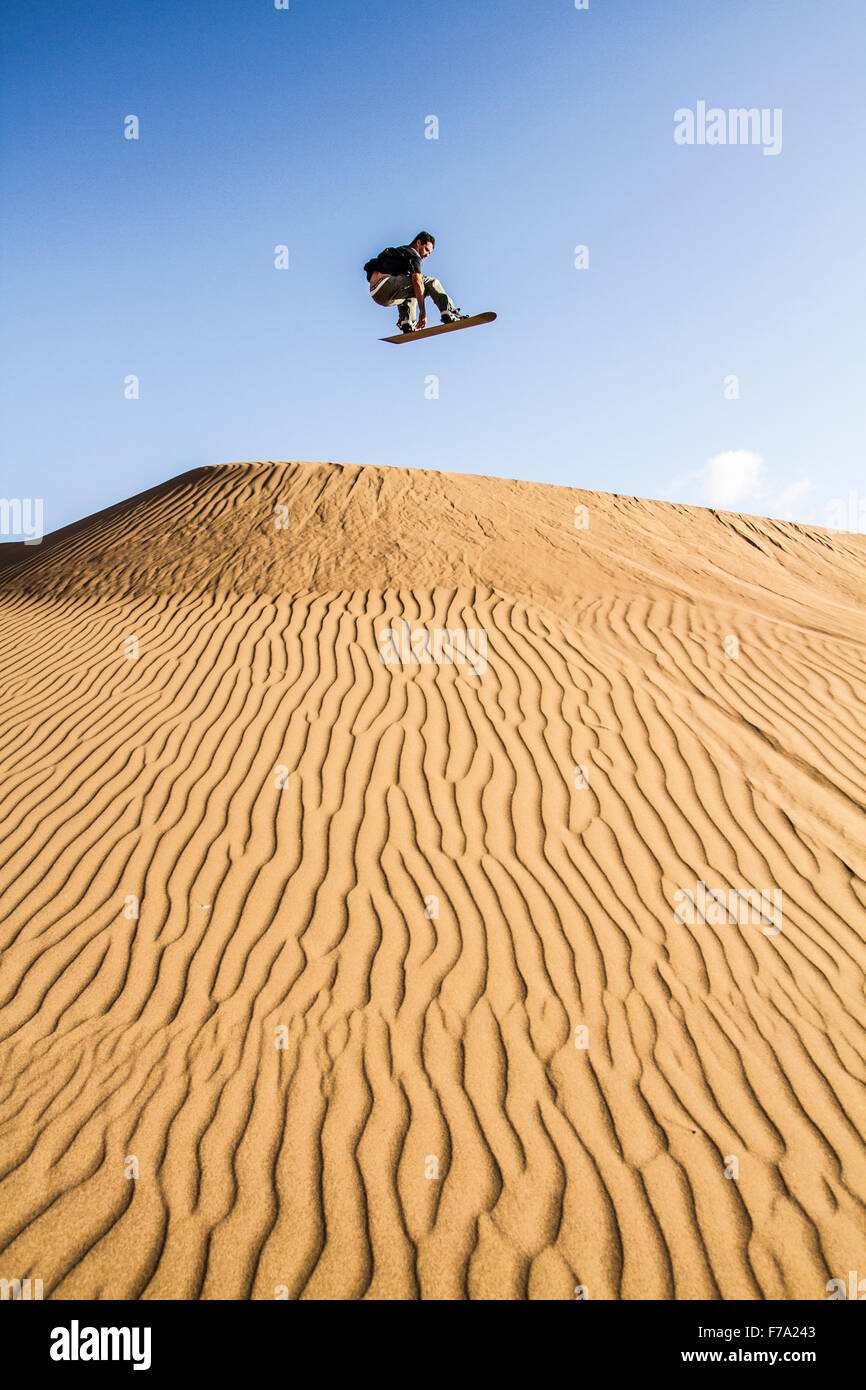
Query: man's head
(424, 244)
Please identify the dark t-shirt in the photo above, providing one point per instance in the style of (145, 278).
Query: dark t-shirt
(395, 260)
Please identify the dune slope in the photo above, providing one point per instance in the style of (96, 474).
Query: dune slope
(350, 820)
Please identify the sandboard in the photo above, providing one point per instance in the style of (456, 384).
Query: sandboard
(441, 328)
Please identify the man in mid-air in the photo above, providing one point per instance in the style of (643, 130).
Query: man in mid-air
(395, 278)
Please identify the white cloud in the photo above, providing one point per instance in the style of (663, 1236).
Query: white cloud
(736, 481)
(733, 477)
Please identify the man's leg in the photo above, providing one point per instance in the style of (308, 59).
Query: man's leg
(433, 290)
(395, 290)
(400, 293)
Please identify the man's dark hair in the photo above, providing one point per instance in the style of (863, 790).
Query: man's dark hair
(425, 236)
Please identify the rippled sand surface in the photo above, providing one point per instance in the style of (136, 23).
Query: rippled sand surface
(335, 966)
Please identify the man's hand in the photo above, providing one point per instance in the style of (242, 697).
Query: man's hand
(418, 287)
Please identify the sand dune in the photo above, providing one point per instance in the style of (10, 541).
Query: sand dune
(307, 938)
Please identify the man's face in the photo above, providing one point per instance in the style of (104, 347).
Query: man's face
(424, 249)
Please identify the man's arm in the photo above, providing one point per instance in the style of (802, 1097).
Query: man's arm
(418, 288)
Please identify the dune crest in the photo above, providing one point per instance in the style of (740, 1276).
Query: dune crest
(349, 819)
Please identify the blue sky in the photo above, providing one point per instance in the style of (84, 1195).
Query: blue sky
(306, 127)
